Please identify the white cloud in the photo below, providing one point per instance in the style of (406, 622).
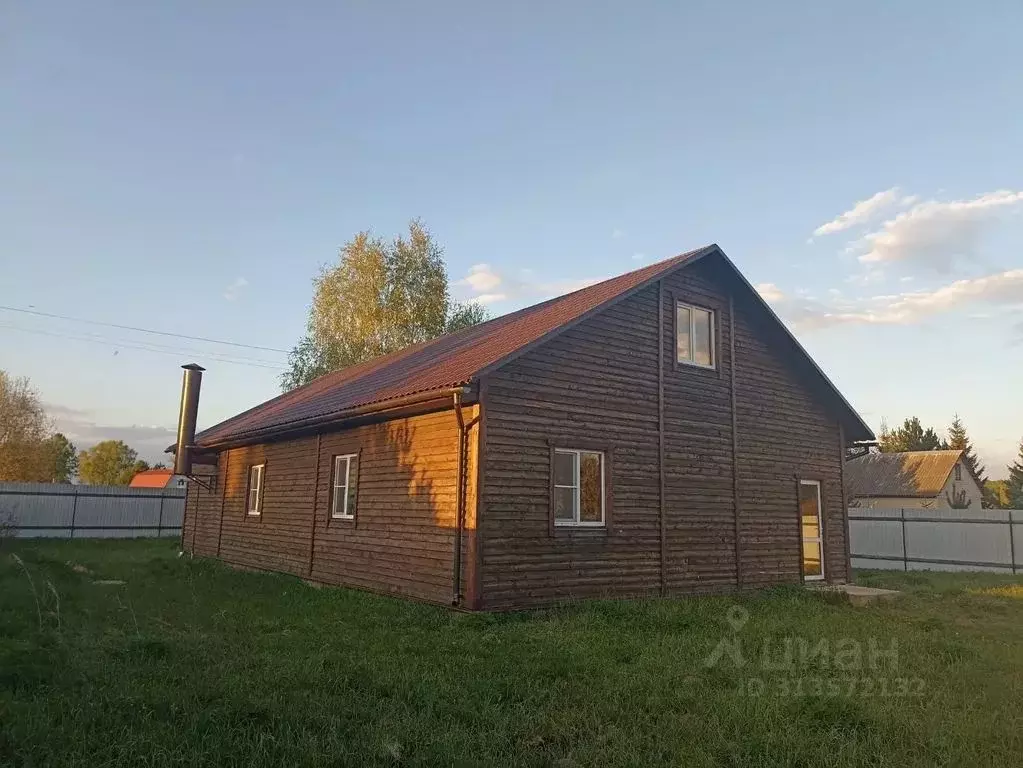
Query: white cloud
(484, 283)
(1001, 288)
(488, 285)
(233, 291)
(617, 234)
(81, 429)
(770, 292)
(937, 233)
(639, 257)
(872, 275)
(863, 211)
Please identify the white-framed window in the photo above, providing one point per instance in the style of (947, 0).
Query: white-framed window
(578, 487)
(694, 335)
(254, 505)
(346, 475)
(959, 472)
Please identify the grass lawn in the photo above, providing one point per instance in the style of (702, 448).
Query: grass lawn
(191, 663)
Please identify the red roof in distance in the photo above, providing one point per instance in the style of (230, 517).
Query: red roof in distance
(152, 478)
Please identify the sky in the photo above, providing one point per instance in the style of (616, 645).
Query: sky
(187, 167)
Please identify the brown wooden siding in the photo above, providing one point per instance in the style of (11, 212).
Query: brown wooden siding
(277, 538)
(698, 437)
(598, 383)
(202, 513)
(785, 435)
(402, 538)
(594, 384)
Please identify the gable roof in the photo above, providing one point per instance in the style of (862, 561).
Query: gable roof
(460, 358)
(907, 474)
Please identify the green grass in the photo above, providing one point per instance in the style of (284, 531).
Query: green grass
(192, 663)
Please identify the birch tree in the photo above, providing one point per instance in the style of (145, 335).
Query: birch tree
(380, 296)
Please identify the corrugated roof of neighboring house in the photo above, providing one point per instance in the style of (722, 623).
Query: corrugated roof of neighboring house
(906, 474)
(152, 478)
(459, 358)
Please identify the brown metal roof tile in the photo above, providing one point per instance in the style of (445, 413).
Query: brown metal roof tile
(446, 361)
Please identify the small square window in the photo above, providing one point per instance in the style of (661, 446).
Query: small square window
(346, 476)
(694, 336)
(578, 495)
(254, 496)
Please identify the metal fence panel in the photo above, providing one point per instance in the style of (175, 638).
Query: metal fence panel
(90, 511)
(937, 539)
(881, 538)
(966, 541)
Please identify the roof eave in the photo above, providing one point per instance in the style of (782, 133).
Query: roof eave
(339, 419)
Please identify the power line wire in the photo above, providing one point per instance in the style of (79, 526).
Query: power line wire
(142, 346)
(146, 347)
(156, 346)
(140, 330)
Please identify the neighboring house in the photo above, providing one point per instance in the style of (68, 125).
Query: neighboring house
(157, 478)
(920, 479)
(658, 433)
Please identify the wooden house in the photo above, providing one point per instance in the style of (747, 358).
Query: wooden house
(658, 433)
(912, 479)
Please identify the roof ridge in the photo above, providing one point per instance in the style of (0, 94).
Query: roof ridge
(933, 452)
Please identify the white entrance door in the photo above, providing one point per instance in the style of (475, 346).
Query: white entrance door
(813, 532)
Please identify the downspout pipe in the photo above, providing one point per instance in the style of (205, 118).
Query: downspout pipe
(456, 570)
(463, 431)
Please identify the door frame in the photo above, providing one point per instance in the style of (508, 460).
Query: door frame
(820, 530)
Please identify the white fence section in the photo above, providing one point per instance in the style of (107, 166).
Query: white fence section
(89, 511)
(937, 539)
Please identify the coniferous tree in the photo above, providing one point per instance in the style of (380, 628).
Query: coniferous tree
(911, 436)
(959, 440)
(1015, 481)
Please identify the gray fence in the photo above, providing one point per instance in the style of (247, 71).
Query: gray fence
(89, 511)
(937, 539)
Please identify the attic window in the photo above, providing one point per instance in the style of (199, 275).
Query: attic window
(959, 472)
(694, 335)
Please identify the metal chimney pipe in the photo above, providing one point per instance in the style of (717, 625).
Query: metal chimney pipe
(190, 384)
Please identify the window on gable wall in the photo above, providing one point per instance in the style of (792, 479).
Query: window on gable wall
(346, 475)
(694, 335)
(959, 472)
(254, 505)
(578, 487)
